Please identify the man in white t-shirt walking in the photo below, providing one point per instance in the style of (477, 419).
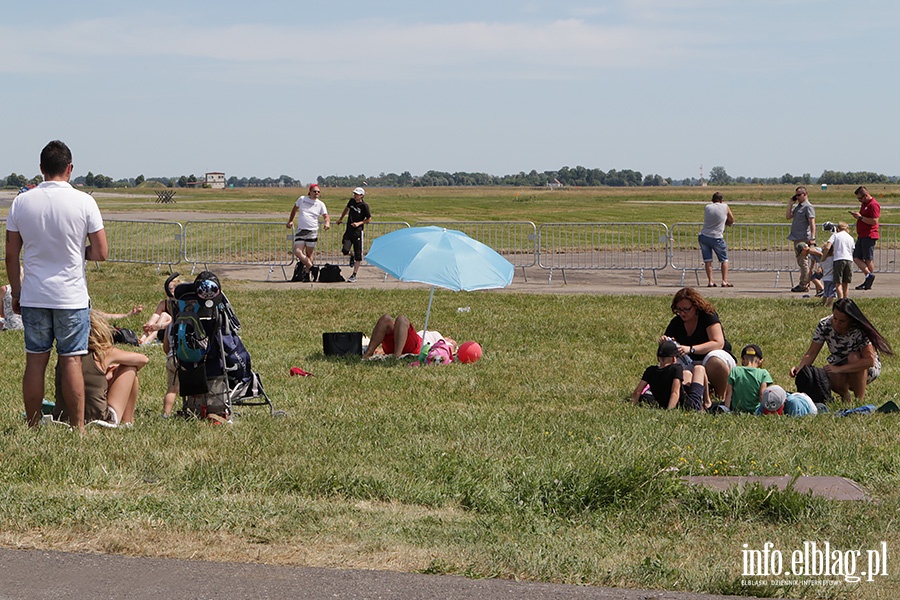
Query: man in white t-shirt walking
(310, 210)
(48, 225)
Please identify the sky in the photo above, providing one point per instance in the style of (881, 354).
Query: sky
(299, 88)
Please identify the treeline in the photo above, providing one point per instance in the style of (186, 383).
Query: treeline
(859, 177)
(566, 176)
(577, 176)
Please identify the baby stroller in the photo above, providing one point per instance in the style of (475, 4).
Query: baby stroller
(213, 365)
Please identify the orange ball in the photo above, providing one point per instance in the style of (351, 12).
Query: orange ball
(468, 352)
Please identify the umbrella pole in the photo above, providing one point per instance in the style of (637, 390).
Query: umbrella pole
(428, 312)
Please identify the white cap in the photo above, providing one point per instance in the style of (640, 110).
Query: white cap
(359, 191)
(773, 398)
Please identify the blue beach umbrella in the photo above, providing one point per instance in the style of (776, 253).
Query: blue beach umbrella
(440, 258)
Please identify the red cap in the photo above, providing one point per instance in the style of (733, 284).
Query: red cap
(313, 186)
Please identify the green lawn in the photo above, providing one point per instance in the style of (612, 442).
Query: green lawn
(751, 204)
(528, 464)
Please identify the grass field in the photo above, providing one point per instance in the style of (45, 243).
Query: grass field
(667, 205)
(528, 464)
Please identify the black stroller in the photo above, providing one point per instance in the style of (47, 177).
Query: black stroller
(213, 365)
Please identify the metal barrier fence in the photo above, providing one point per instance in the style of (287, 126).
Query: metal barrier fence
(887, 250)
(603, 246)
(764, 248)
(516, 241)
(328, 248)
(148, 242)
(257, 243)
(752, 247)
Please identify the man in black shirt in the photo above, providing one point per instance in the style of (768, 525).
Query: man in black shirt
(358, 214)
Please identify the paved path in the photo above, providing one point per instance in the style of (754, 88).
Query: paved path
(38, 575)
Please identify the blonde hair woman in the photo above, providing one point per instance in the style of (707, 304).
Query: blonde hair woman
(110, 379)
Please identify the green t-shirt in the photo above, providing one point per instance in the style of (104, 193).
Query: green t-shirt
(745, 383)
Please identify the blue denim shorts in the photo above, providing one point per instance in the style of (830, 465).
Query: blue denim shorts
(709, 245)
(68, 327)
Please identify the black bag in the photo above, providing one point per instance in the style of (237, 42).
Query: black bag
(342, 342)
(125, 336)
(814, 382)
(299, 274)
(330, 274)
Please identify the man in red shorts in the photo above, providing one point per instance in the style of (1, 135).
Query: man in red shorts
(396, 337)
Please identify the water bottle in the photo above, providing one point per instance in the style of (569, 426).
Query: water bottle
(463, 309)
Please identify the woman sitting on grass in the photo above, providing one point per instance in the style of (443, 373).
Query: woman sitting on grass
(110, 380)
(853, 343)
(698, 332)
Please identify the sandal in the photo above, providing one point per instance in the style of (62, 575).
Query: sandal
(727, 285)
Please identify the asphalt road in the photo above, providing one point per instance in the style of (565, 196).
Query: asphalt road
(39, 575)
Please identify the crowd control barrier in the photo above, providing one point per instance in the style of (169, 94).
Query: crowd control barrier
(603, 246)
(148, 242)
(328, 247)
(516, 241)
(257, 243)
(887, 249)
(752, 247)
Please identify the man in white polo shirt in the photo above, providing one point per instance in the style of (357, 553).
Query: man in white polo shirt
(49, 225)
(310, 210)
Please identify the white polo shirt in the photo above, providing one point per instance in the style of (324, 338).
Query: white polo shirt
(54, 220)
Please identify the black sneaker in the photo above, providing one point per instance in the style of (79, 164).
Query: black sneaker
(352, 261)
(800, 288)
(314, 273)
(869, 281)
(820, 293)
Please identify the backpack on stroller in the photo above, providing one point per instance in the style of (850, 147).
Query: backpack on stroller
(214, 372)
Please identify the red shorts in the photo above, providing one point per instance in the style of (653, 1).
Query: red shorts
(412, 346)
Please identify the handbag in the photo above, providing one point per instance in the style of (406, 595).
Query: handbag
(341, 343)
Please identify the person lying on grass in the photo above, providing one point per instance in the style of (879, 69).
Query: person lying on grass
(776, 401)
(396, 337)
(671, 384)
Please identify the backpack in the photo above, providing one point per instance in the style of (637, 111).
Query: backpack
(195, 311)
(439, 354)
(813, 381)
(125, 336)
(330, 274)
(300, 273)
(190, 338)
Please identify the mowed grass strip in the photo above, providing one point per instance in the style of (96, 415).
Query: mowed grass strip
(750, 204)
(528, 464)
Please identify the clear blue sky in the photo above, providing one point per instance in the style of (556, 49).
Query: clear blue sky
(265, 88)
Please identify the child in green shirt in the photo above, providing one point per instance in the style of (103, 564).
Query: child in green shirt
(747, 382)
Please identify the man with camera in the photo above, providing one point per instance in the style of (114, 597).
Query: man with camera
(803, 233)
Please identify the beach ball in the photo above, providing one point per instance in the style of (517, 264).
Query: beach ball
(468, 352)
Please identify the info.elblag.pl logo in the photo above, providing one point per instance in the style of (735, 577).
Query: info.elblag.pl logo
(818, 560)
